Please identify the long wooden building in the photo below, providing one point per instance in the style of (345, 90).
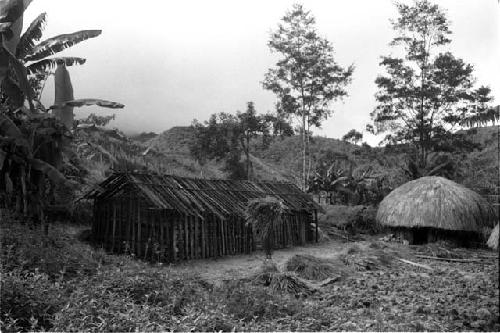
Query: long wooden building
(168, 218)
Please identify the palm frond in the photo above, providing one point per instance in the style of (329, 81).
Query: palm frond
(59, 43)
(49, 64)
(88, 102)
(31, 35)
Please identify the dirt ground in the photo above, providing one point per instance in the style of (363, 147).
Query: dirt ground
(244, 265)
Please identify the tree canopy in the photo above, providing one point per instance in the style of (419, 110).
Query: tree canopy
(306, 79)
(427, 91)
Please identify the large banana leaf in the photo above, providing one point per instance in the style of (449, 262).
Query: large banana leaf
(52, 173)
(3, 155)
(12, 10)
(11, 13)
(59, 43)
(9, 130)
(16, 19)
(49, 64)
(88, 102)
(31, 35)
(63, 93)
(21, 74)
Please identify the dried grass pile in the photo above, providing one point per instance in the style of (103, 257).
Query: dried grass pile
(372, 260)
(290, 283)
(436, 202)
(311, 268)
(266, 273)
(493, 240)
(270, 276)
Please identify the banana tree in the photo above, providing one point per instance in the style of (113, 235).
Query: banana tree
(31, 140)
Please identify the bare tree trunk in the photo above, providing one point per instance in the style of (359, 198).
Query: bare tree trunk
(247, 155)
(24, 190)
(303, 150)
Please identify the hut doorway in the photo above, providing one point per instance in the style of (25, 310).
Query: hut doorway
(420, 236)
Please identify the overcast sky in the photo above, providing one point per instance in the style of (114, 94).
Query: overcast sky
(172, 61)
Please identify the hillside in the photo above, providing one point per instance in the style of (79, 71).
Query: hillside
(281, 160)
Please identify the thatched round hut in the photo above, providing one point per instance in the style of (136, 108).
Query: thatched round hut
(433, 208)
(493, 240)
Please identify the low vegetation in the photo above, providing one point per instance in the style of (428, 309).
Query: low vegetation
(58, 283)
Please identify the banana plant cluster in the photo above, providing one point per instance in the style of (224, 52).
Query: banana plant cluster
(352, 185)
(33, 142)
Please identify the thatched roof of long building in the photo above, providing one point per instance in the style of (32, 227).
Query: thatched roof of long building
(193, 196)
(493, 240)
(438, 203)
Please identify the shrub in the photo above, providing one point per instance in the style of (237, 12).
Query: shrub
(28, 301)
(247, 302)
(56, 255)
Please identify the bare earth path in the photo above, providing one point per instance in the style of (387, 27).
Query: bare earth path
(239, 266)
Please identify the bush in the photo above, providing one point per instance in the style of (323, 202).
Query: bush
(247, 302)
(28, 301)
(28, 249)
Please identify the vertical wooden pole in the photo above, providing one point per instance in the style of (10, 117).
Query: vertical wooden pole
(133, 217)
(114, 227)
(139, 236)
(222, 236)
(316, 222)
(203, 235)
(192, 236)
(174, 238)
(162, 233)
(186, 237)
(197, 239)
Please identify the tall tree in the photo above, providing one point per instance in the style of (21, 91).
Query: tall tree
(353, 136)
(425, 92)
(227, 136)
(306, 79)
(250, 126)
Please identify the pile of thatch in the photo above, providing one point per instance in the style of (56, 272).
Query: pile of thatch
(367, 260)
(311, 268)
(270, 276)
(436, 202)
(290, 283)
(493, 240)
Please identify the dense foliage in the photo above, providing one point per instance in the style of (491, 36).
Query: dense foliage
(425, 94)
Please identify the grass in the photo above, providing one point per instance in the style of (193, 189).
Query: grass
(56, 283)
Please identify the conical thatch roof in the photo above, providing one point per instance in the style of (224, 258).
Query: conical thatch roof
(493, 240)
(438, 203)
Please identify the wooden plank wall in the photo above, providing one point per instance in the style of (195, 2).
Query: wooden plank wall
(125, 225)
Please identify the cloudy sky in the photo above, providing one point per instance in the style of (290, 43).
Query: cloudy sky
(172, 61)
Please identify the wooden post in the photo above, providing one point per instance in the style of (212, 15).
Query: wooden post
(316, 222)
(202, 225)
(222, 236)
(114, 227)
(174, 238)
(161, 223)
(196, 240)
(186, 237)
(192, 236)
(133, 215)
(139, 239)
